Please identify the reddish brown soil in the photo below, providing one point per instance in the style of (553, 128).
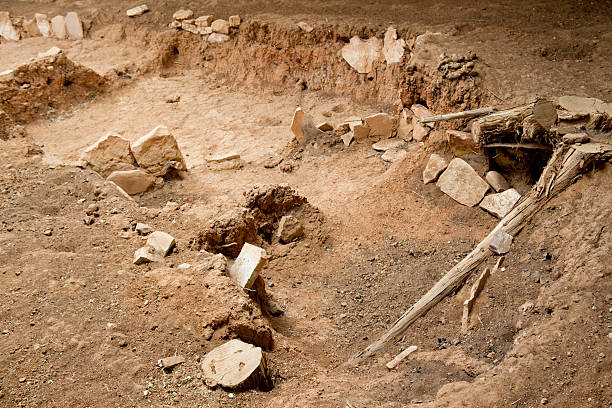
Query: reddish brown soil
(85, 327)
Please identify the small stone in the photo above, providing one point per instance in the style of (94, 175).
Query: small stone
(361, 55)
(387, 144)
(500, 204)
(88, 220)
(22, 380)
(137, 11)
(184, 266)
(48, 232)
(173, 99)
(497, 181)
(51, 52)
(347, 138)
(302, 127)
(7, 30)
(92, 209)
(602, 355)
(272, 160)
(158, 153)
(246, 268)
(189, 27)
(168, 363)
(182, 15)
(394, 155)
(325, 127)
(404, 127)
(220, 26)
(132, 181)
(461, 143)
(218, 38)
(361, 132)
(58, 26)
(421, 112)
(110, 153)
(234, 21)
(5, 332)
(289, 228)
(461, 182)
(393, 48)
(203, 21)
(304, 26)
(74, 28)
(44, 26)
(161, 242)
(575, 138)
(435, 166)
(419, 132)
(380, 124)
(146, 254)
(500, 242)
(143, 229)
(543, 401)
(223, 157)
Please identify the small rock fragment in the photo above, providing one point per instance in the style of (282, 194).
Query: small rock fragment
(304, 26)
(347, 138)
(289, 228)
(387, 144)
(272, 160)
(246, 268)
(173, 99)
(137, 11)
(394, 155)
(146, 254)
(58, 26)
(361, 55)
(435, 166)
(497, 181)
(500, 204)
(51, 52)
(168, 363)
(143, 229)
(461, 143)
(184, 266)
(132, 181)
(220, 26)
(302, 127)
(404, 127)
(92, 209)
(380, 124)
(218, 38)
(74, 28)
(419, 132)
(575, 138)
(182, 15)
(325, 127)
(461, 182)
(500, 242)
(234, 21)
(161, 242)
(44, 26)
(203, 21)
(158, 152)
(110, 153)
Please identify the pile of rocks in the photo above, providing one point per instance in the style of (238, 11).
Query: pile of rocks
(135, 167)
(60, 27)
(214, 31)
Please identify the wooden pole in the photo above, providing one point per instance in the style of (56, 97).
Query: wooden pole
(458, 115)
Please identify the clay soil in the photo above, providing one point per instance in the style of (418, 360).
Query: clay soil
(82, 326)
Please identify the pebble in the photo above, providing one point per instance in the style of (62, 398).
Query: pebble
(230, 395)
(5, 332)
(602, 355)
(48, 232)
(544, 401)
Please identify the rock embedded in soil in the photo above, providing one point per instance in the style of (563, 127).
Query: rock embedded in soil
(497, 181)
(380, 124)
(325, 127)
(576, 138)
(74, 28)
(132, 181)
(419, 131)
(361, 55)
(234, 21)
(500, 204)
(500, 242)
(44, 26)
(387, 144)
(182, 15)
(203, 21)
(110, 153)
(158, 152)
(393, 48)
(220, 26)
(146, 254)
(236, 365)
(137, 11)
(143, 229)
(289, 228)
(58, 27)
(31, 28)
(435, 166)
(7, 30)
(246, 268)
(461, 182)
(302, 127)
(218, 38)
(404, 126)
(347, 138)
(51, 52)
(168, 363)
(421, 112)
(307, 28)
(161, 242)
(223, 157)
(461, 143)
(394, 155)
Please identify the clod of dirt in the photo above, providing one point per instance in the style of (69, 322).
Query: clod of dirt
(8, 128)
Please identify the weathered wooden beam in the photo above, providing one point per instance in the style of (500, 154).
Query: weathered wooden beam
(458, 115)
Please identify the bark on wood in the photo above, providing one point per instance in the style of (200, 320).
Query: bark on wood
(565, 165)
(238, 366)
(458, 115)
(526, 123)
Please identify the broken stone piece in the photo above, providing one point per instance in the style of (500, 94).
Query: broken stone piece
(217, 37)
(7, 30)
(203, 21)
(461, 143)
(307, 28)
(146, 254)
(158, 153)
(380, 124)
(234, 21)
(170, 362)
(583, 104)
(189, 27)
(361, 132)
(110, 153)
(161, 242)
(575, 138)
(404, 126)
(289, 228)
(394, 155)
(137, 11)
(52, 52)
(387, 144)
(360, 55)
(419, 132)
(435, 166)
(500, 204)
(182, 15)
(223, 157)
(501, 242)
(58, 27)
(325, 127)
(143, 229)
(347, 138)
(497, 181)
(461, 182)
(246, 268)
(220, 26)
(302, 127)
(420, 111)
(44, 26)
(31, 28)
(74, 28)
(393, 49)
(132, 181)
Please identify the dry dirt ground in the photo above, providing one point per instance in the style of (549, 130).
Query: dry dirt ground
(82, 326)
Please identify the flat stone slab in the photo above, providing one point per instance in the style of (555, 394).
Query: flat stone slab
(217, 37)
(132, 181)
(74, 28)
(58, 27)
(404, 126)
(585, 105)
(497, 181)
(220, 26)
(7, 30)
(393, 48)
(161, 242)
(419, 131)
(435, 166)
(182, 14)
(360, 55)
(461, 182)
(146, 254)
(137, 11)
(394, 155)
(170, 362)
(44, 26)
(387, 144)
(500, 204)
(234, 21)
(246, 268)
(380, 124)
(302, 127)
